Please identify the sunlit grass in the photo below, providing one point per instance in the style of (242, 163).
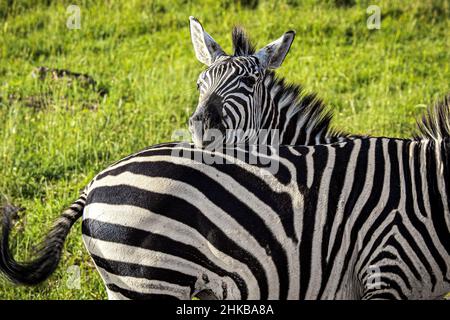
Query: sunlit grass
(55, 137)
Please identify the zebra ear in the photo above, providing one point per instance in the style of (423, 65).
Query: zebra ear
(206, 49)
(272, 55)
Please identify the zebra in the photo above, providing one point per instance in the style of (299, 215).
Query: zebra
(362, 218)
(242, 101)
(302, 118)
(161, 225)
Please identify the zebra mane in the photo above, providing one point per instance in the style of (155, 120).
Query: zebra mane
(241, 42)
(304, 117)
(435, 123)
(301, 111)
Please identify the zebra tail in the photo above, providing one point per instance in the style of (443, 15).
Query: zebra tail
(49, 250)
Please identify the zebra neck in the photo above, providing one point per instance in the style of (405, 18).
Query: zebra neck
(434, 171)
(300, 118)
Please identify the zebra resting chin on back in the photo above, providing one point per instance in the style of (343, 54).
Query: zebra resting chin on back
(241, 100)
(364, 218)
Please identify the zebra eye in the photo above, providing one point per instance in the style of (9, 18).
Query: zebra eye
(198, 86)
(249, 81)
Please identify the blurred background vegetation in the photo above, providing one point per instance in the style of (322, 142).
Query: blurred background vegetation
(56, 134)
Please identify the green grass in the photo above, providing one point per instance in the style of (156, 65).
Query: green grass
(55, 137)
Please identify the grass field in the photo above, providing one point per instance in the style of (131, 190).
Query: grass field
(55, 135)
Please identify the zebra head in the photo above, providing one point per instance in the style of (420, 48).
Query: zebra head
(232, 87)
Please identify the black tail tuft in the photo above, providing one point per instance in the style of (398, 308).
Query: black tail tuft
(49, 254)
(435, 123)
